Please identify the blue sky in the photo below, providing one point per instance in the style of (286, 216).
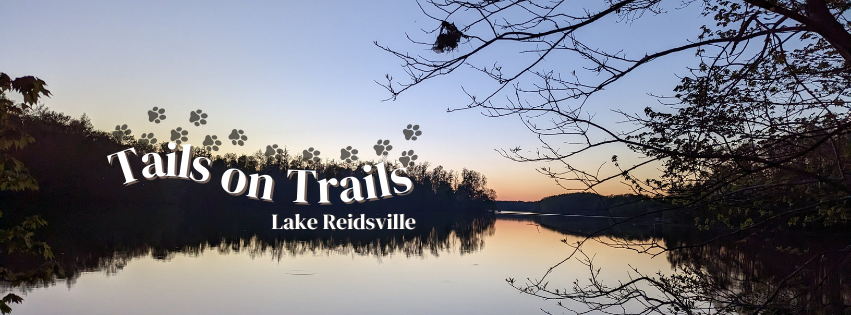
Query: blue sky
(298, 74)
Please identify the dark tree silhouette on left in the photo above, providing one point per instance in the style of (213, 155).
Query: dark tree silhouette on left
(15, 176)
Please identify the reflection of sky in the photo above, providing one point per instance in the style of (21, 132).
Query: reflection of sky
(297, 74)
(450, 283)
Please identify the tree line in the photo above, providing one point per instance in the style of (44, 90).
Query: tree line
(69, 160)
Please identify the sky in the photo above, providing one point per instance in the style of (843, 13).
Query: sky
(302, 74)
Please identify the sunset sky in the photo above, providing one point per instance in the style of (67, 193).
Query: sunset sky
(298, 74)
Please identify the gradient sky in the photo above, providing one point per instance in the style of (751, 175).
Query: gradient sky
(299, 74)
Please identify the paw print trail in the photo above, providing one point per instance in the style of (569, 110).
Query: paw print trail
(147, 138)
(179, 135)
(382, 148)
(211, 143)
(310, 155)
(272, 150)
(348, 154)
(120, 132)
(408, 158)
(238, 137)
(198, 117)
(412, 132)
(156, 115)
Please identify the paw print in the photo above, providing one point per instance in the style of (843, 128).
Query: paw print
(311, 155)
(408, 158)
(178, 135)
(237, 137)
(211, 143)
(120, 132)
(348, 154)
(198, 117)
(147, 138)
(382, 147)
(156, 114)
(273, 150)
(412, 132)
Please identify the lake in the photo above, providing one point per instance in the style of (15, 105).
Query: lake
(454, 266)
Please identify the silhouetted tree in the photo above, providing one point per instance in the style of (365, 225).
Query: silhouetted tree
(14, 176)
(755, 136)
(770, 86)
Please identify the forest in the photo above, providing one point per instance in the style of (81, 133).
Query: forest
(68, 159)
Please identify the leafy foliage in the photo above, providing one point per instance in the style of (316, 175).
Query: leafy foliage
(15, 176)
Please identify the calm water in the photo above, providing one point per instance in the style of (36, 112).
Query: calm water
(452, 269)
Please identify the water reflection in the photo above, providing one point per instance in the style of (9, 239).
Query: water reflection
(190, 260)
(773, 270)
(453, 259)
(106, 238)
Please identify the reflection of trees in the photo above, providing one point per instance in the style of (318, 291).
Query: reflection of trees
(602, 227)
(107, 239)
(464, 239)
(771, 272)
